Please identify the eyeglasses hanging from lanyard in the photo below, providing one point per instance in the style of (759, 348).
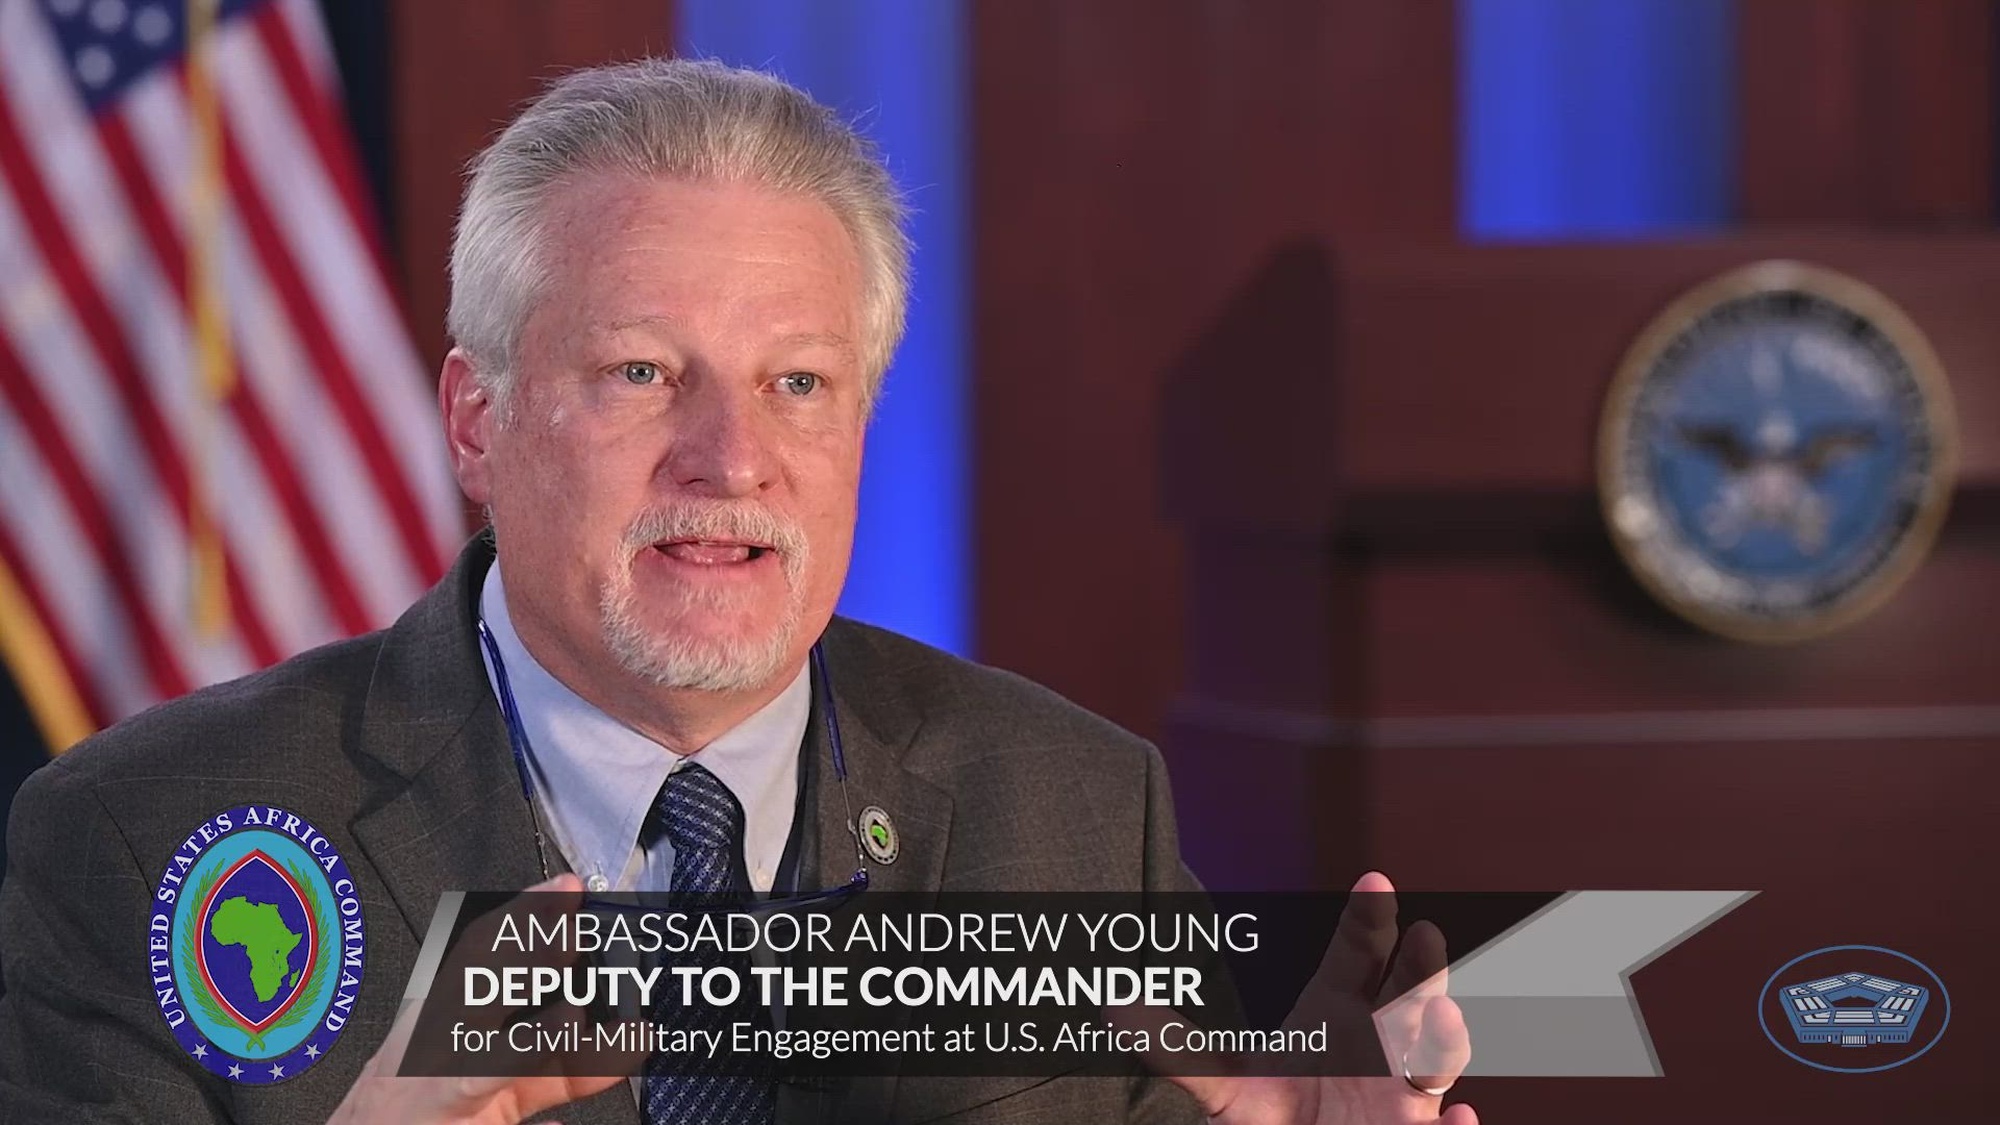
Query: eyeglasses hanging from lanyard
(524, 757)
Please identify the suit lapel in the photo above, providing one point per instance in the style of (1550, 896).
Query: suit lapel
(454, 818)
(453, 827)
(884, 736)
(876, 730)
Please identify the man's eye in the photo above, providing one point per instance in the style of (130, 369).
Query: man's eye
(800, 382)
(641, 374)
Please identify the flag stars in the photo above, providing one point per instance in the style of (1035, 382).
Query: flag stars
(312, 1050)
(95, 66)
(152, 25)
(201, 1050)
(108, 15)
(235, 1071)
(277, 1071)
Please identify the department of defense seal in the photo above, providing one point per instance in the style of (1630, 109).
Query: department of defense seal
(256, 944)
(1777, 452)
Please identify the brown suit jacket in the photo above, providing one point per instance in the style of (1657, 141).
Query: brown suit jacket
(392, 745)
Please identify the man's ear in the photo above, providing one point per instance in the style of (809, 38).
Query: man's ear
(470, 417)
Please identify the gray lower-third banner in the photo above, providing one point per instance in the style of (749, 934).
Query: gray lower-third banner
(1552, 996)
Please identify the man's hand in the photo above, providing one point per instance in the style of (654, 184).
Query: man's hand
(380, 1097)
(1417, 1028)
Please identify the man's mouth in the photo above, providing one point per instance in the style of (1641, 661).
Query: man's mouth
(712, 552)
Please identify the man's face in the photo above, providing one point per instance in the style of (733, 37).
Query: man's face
(673, 482)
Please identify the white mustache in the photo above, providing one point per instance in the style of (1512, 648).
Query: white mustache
(720, 520)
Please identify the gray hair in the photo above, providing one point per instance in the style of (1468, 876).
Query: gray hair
(685, 119)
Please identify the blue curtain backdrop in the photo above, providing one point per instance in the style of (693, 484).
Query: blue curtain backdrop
(897, 69)
(1596, 118)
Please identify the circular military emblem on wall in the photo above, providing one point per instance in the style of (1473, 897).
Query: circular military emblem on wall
(1777, 452)
(256, 944)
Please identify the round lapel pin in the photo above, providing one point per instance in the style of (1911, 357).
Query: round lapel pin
(878, 835)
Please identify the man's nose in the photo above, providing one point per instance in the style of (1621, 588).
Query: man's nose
(721, 446)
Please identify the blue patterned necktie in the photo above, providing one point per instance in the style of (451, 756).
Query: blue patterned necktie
(705, 824)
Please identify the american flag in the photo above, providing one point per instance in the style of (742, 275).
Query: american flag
(217, 445)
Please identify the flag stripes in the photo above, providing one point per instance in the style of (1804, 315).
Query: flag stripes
(318, 466)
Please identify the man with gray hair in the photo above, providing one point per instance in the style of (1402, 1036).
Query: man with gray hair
(675, 289)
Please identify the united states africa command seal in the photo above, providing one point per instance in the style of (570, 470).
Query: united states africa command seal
(1777, 452)
(256, 944)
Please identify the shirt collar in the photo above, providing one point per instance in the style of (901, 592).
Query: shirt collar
(597, 778)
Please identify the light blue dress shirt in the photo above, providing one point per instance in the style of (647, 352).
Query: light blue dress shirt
(596, 778)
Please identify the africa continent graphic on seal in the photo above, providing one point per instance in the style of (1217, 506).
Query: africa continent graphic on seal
(257, 927)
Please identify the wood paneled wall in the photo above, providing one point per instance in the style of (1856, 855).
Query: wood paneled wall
(1867, 111)
(1134, 162)
(460, 70)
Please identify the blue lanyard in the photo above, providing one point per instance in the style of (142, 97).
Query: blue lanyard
(524, 756)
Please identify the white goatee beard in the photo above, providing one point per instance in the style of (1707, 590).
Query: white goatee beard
(673, 660)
